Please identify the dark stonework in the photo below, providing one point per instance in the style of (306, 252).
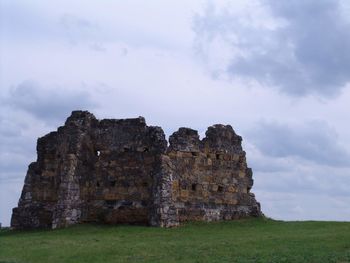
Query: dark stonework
(122, 171)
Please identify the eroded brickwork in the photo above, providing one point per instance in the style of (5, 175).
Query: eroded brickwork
(122, 171)
(211, 180)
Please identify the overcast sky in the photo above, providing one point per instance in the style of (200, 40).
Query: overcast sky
(277, 71)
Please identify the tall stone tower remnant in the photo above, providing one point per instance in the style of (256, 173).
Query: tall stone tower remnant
(123, 171)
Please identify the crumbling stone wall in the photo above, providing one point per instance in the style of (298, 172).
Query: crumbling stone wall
(122, 171)
(211, 180)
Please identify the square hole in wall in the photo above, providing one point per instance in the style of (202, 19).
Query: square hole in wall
(220, 188)
(183, 185)
(194, 187)
(111, 203)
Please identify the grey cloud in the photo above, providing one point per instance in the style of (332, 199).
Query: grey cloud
(14, 165)
(17, 149)
(304, 206)
(79, 29)
(306, 53)
(282, 193)
(9, 194)
(16, 145)
(72, 22)
(292, 171)
(26, 103)
(98, 47)
(272, 165)
(12, 139)
(48, 105)
(313, 141)
(23, 22)
(9, 129)
(332, 182)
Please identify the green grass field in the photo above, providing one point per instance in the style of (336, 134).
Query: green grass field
(251, 240)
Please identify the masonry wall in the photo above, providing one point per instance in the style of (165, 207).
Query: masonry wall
(122, 171)
(127, 157)
(211, 180)
(92, 171)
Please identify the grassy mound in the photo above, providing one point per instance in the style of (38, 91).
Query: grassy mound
(251, 240)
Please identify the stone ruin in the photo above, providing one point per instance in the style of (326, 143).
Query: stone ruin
(123, 171)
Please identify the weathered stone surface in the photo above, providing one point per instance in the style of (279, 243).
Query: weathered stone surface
(122, 171)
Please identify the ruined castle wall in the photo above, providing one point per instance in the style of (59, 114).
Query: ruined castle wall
(51, 195)
(92, 171)
(122, 171)
(211, 180)
(127, 157)
(39, 194)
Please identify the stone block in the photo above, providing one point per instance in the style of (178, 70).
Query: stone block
(48, 173)
(218, 201)
(184, 193)
(228, 196)
(175, 185)
(231, 189)
(209, 161)
(235, 157)
(214, 187)
(232, 202)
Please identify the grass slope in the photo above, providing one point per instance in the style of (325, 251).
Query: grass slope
(251, 240)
